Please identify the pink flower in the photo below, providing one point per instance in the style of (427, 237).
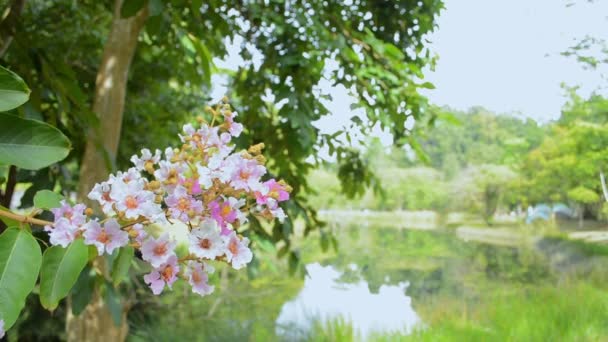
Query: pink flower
(198, 277)
(272, 192)
(205, 241)
(193, 184)
(234, 128)
(164, 274)
(182, 206)
(74, 214)
(138, 233)
(237, 252)
(158, 251)
(2, 327)
(134, 201)
(62, 233)
(226, 212)
(244, 173)
(106, 238)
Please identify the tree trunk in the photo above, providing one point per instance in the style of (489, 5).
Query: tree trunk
(95, 323)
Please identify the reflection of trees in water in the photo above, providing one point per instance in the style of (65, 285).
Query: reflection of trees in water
(432, 262)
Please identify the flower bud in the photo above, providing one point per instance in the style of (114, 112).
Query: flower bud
(286, 186)
(260, 159)
(88, 211)
(256, 149)
(149, 166)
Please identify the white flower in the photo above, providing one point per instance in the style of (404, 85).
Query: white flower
(205, 241)
(237, 251)
(198, 277)
(101, 194)
(158, 251)
(169, 173)
(146, 158)
(62, 233)
(133, 200)
(106, 238)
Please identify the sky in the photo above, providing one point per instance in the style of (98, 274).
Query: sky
(505, 55)
(502, 55)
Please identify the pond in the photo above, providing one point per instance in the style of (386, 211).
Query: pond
(386, 283)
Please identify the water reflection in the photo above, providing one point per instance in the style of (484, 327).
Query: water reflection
(386, 279)
(323, 297)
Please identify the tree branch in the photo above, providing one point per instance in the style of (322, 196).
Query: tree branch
(24, 219)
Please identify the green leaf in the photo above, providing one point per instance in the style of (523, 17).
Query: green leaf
(122, 264)
(427, 85)
(82, 292)
(114, 303)
(20, 259)
(294, 261)
(393, 51)
(30, 144)
(13, 91)
(46, 199)
(204, 55)
(155, 7)
(60, 270)
(131, 7)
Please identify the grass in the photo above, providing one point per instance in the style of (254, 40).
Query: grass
(569, 313)
(574, 312)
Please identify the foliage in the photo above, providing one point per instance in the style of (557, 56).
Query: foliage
(477, 137)
(577, 316)
(566, 166)
(13, 91)
(418, 188)
(60, 270)
(20, 260)
(376, 51)
(479, 188)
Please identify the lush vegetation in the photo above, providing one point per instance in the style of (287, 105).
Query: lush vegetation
(479, 161)
(86, 85)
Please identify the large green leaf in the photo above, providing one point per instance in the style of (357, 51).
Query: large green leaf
(60, 270)
(82, 292)
(46, 199)
(30, 144)
(121, 264)
(20, 259)
(114, 303)
(13, 91)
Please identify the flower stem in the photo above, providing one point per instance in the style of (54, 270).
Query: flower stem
(24, 219)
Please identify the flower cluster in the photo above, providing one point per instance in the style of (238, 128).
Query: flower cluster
(204, 184)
